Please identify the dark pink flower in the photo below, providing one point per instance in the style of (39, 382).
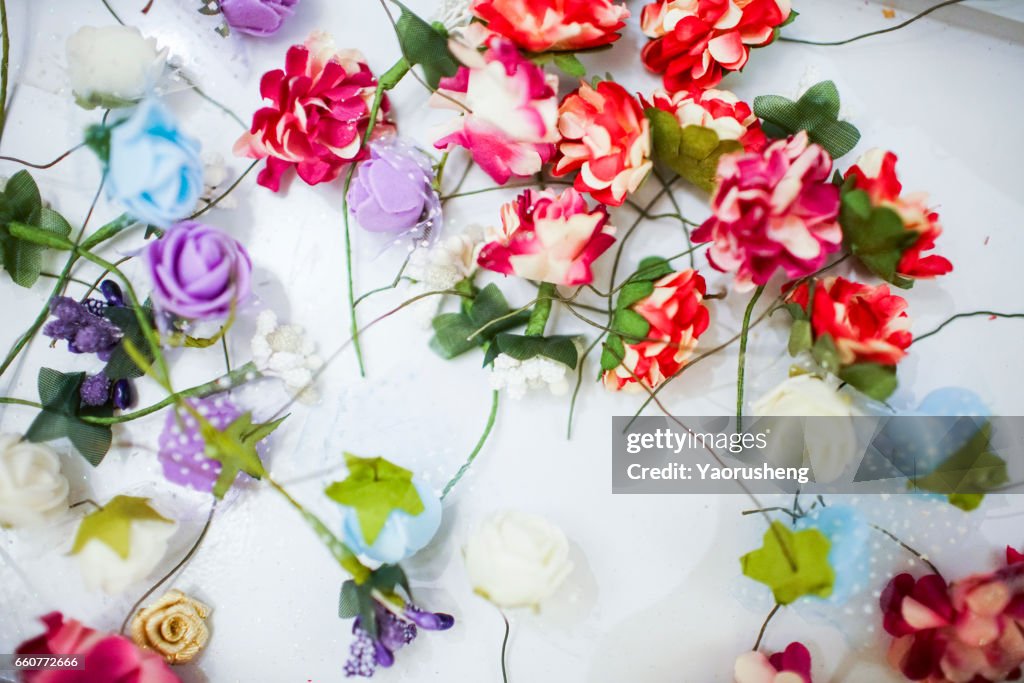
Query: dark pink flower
(791, 665)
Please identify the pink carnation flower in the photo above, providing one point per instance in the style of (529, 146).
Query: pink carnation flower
(774, 210)
(549, 237)
(541, 25)
(509, 110)
(720, 110)
(792, 665)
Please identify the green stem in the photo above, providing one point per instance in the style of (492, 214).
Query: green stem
(958, 316)
(353, 321)
(742, 362)
(542, 310)
(6, 40)
(504, 649)
(19, 402)
(476, 449)
(341, 552)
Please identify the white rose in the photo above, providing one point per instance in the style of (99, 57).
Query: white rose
(829, 445)
(103, 569)
(32, 488)
(112, 66)
(516, 559)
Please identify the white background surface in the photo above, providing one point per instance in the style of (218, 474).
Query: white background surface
(655, 593)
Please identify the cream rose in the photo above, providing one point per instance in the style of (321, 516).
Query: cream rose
(32, 488)
(828, 445)
(174, 626)
(516, 559)
(103, 569)
(112, 66)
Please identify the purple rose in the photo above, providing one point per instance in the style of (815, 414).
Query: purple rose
(198, 272)
(257, 17)
(393, 191)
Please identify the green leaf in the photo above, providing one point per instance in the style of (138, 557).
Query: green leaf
(875, 235)
(792, 564)
(817, 112)
(613, 352)
(825, 352)
(235, 448)
(692, 152)
(452, 330)
(26, 229)
(631, 325)
(570, 64)
(425, 44)
(387, 577)
(451, 335)
(108, 231)
(120, 365)
(62, 415)
(799, 337)
(112, 524)
(871, 379)
(966, 501)
(652, 268)
(967, 474)
(348, 600)
(561, 348)
(374, 489)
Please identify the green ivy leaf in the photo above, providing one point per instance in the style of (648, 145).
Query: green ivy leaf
(871, 379)
(112, 524)
(965, 475)
(235, 448)
(27, 228)
(425, 44)
(692, 152)
(817, 112)
(875, 235)
(373, 489)
(62, 415)
(570, 64)
(799, 337)
(792, 564)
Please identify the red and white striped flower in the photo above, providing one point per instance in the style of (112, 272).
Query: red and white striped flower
(542, 25)
(720, 110)
(549, 237)
(509, 110)
(677, 317)
(607, 138)
(875, 173)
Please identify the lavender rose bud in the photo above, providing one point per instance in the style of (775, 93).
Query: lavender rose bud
(393, 192)
(198, 272)
(257, 17)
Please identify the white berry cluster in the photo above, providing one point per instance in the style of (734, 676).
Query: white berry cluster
(518, 376)
(283, 351)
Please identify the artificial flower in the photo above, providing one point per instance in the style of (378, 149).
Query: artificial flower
(549, 237)
(677, 317)
(445, 263)
(104, 568)
(154, 170)
(848, 534)
(393, 632)
(563, 25)
(215, 183)
(518, 376)
(112, 66)
(79, 324)
(198, 272)
(720, 110)
(867, 324)
(773, 210)
(508, 110)
(33, 490)
(285, 352)
(607, 138)
(515, 559)
(392, 192)
(257, 17)
(182, 449)
(792, 665)
(829, 444)
(875, 173)
(695, 42)
(402, 535)
(95, 390)
(174, 627)
(318, 114)
(107, 656)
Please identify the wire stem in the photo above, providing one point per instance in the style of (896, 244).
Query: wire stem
(476, 449)
(741, 363)
(897, 27)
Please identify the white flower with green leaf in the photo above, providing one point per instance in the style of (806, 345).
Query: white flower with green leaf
(33, 490)
(112, 66)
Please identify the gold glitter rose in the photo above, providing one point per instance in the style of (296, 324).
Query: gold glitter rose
(174, 626)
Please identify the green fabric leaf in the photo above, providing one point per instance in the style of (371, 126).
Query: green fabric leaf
(348, 600)
(570, 64)
(235, 448)
(62, 415)
(561, 348)
(425, 44)
(375, 488)
(452, 330)
(612, 353)
(388, 577)
(875, 235)
(871, 379)
(120, 365)
(632, 293)
(112, 524)
(825, 352)
(692, 152)
(27, 228)
(631, 325)
(966, 501)
(817, 112)
(652, 268)
(451, 335)
(799, 337)
(967, 474)
(792, 564)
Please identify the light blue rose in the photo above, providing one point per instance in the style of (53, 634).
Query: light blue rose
(154, 169)
(848, 532)
(402, 535)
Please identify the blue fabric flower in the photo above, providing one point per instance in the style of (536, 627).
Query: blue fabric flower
(402, 535)
(847, 531)
(154, 169)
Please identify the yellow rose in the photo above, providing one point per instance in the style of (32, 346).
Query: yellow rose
(174, 626)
